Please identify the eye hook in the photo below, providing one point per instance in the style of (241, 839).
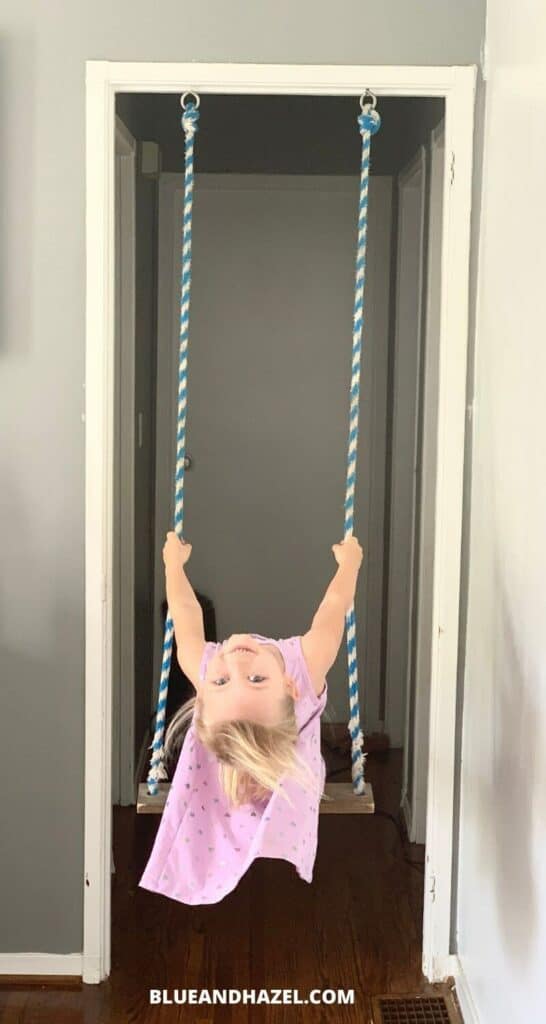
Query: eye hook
(183, 98)
(366, 103)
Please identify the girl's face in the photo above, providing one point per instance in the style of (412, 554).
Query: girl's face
(246, 679)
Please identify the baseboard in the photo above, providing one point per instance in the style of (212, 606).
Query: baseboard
(464, 994)
(68, 965)
(449, 969)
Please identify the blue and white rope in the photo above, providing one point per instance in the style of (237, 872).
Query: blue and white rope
(190, 123)
(369, 123)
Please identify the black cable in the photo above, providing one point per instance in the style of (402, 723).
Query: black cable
(417, 864)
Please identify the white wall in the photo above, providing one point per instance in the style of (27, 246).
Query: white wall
(501, 920)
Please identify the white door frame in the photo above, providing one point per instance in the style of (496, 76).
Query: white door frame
(103, 80)
(411, 182)
(123, 746)
(412, 177)
(421, 639)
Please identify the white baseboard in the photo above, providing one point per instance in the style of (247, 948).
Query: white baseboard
(451, 967)
(464, 995)
(41, 963)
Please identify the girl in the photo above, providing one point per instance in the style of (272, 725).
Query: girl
(250, 774)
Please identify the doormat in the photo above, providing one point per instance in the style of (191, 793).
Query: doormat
(414, 1010)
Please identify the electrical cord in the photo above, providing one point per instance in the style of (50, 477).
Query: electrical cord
(417, 864)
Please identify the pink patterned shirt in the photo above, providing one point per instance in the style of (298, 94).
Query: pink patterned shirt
(203, 845)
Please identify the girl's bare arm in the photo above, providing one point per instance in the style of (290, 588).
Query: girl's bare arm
(322, 641)
(184, 608)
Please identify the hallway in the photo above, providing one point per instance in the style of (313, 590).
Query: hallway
(357, 926)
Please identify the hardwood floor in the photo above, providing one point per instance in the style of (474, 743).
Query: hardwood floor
(358, 925)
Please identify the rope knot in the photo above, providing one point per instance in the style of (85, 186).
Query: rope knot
(369, 121)
(190, 120)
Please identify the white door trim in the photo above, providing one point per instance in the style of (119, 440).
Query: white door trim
(124, 692)
(103, 80)
(412, 176)
(422, 636)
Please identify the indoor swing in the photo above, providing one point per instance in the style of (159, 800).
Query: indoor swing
(339, 797)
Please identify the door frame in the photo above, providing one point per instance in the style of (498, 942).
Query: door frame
(413, 177)
(124, 692)
(422, 624)
(396, 711)
(456, 84)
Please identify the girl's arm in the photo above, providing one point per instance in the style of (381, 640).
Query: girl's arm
(322, 641)
(184, 608)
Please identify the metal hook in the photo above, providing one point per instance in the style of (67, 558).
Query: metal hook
(182, 98)
(363, 104)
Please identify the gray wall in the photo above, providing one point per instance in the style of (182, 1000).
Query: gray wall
(43, 49)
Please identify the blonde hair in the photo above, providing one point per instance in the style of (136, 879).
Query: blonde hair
(252, 758)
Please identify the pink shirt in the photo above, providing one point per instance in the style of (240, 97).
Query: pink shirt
(203, 845)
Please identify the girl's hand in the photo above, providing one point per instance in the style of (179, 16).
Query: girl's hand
(348, 553)
(175, 551)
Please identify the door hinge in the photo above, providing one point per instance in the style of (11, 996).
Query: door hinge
(432, 890)
(452, 168)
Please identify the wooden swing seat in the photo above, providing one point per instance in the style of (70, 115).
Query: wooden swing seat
(338, 799)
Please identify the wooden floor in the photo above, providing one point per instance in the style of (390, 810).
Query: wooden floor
(358, 925)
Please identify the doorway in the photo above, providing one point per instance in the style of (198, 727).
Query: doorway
(456, 87)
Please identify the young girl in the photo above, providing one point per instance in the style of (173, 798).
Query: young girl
(250, 774)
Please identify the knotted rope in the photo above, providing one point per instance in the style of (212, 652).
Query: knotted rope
(369, 123)
(190, 124)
